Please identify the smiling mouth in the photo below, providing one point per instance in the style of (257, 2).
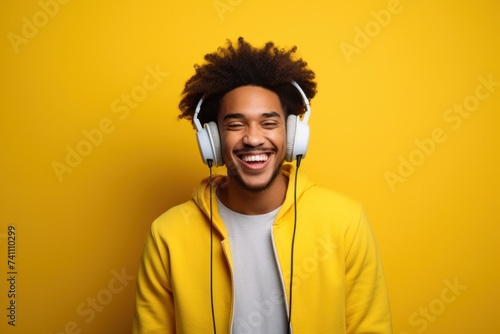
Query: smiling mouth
(254, 157)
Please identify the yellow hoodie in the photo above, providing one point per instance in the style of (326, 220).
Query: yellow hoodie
(338, 285)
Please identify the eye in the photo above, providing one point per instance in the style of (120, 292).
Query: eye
(234, 126)
(270, 125)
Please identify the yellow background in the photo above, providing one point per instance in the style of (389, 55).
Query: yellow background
(437, 225)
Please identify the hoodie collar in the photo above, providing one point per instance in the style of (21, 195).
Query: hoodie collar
(202, 193)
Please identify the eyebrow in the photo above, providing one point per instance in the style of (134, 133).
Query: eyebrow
(270, 114)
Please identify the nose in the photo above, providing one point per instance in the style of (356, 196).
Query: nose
(253, 136)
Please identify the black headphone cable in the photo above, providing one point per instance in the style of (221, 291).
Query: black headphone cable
(209, 163)
(299, 158)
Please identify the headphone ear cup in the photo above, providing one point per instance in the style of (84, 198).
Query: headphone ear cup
(204, 145)
(297, 138)
(213, 132)
(291, 126)
(209, 144)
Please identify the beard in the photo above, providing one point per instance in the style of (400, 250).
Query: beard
(255, 189)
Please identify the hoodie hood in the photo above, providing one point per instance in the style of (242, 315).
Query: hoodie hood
(202, 198)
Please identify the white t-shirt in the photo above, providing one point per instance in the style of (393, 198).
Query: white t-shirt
(259, 303)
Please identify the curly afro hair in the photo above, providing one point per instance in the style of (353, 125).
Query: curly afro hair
(228, 68)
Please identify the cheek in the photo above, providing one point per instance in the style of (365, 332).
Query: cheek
(280, 139)
(227, 144)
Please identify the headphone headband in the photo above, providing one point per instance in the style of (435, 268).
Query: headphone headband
(305, 100)
(196, 121)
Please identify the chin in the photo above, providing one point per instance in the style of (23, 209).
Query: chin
(254, 188)
(257, 187)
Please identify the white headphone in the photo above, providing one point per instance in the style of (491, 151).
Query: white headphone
(296, 142)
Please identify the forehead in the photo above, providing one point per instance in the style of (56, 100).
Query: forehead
(250, 101)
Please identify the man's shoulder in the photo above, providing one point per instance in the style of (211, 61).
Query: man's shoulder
(331, 207)
(330, 197)
(178, 215)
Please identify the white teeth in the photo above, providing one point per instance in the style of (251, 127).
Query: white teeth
(261, 157)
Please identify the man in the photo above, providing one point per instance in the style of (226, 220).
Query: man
(261, 249)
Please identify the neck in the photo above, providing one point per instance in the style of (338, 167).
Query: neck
(247, 202)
